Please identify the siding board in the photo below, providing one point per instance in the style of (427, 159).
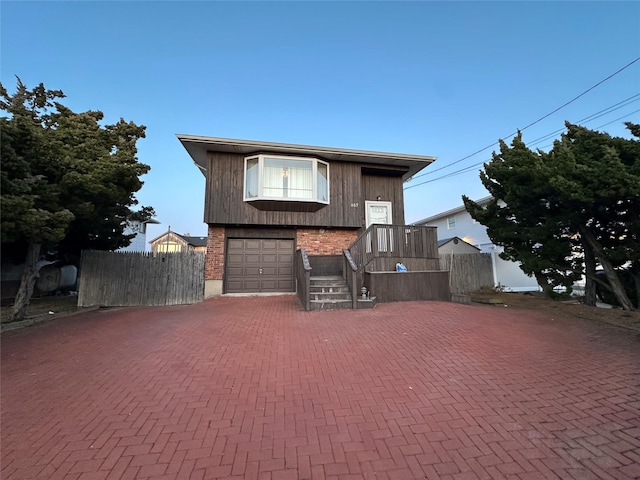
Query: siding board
(140, 278)
(389, 189)
(224, 202)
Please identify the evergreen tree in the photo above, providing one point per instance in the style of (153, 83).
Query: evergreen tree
(568, 209)
(67, 182)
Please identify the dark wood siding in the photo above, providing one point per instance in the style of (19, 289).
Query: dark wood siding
(224, 202)
(326, 264)
(389, 189)
(259, 232)
(408, 286)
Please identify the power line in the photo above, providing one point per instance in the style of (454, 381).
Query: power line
(608, 123)
(593, 116)
(534, 122)
(476, 165)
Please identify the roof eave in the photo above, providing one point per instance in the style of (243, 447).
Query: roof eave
(198, 146)
(437, 216)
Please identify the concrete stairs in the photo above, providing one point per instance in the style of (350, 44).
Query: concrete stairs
(331, 292)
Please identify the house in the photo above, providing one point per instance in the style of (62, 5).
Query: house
(268, 203)
(139, 229)
(457, 222)
(174, 242)
(456, 245)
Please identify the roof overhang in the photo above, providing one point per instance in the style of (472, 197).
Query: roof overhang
(198, 147)
(483, 201)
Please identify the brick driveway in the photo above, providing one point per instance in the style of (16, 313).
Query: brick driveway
(254, 388)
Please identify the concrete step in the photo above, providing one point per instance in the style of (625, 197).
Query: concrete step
(366, 303)
(330, 304)
(328, 281)
(330, 296)
(330, 292)
(329, 289)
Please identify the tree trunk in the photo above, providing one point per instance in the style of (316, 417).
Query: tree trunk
(636, 279)
(28, 282)
(544, 284)
(590, 274)
(610, 273)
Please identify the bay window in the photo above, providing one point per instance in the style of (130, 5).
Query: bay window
(272, 177)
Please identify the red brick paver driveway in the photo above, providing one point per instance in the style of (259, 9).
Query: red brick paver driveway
(254, 388)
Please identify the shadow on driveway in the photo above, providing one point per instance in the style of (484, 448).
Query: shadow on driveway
(254, 388)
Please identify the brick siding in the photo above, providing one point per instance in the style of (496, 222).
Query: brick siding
(315, 241)
(330, 241)
(214, 263)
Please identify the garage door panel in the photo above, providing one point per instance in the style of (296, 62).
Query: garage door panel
(269, 286)
(285, 285)
(269, 245)
(270, 271)
(252, 244)
(252, 258)
(269, 259)
(235, 258)
(235, 272)
(259, 265)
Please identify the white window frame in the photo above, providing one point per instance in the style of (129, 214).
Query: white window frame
(451, 222)
(261, 158)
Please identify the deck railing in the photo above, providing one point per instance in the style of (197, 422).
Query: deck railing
(378, 248)
(394, 241)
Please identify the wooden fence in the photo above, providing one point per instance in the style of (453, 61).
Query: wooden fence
(112, 279)
(468, 272)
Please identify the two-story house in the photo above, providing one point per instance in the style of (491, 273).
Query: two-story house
(457, 222)
(264, 201)
(139, 230)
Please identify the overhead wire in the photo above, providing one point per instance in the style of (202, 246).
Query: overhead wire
(532, 123)
(601, 113)
(585, 120)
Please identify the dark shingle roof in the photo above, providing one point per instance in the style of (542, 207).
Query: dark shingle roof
(447, 240)
(193, 241)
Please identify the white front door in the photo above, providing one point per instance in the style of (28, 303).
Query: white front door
(380, 213)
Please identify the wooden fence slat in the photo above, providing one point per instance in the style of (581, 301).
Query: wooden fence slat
(132, 278)
(468, 272)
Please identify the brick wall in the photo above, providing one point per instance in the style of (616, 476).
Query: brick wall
(214, 263)
(315, 241)
(330, 241)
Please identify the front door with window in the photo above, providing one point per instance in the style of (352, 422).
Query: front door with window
(380, 213)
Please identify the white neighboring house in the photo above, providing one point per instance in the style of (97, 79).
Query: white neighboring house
(139, 242)
(457, 222)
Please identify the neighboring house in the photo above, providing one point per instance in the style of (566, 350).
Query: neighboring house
(456, 245)
(139, 242)
(457, 222)
(264, 201)
(174, 242)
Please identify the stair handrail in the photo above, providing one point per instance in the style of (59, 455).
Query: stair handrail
(306, 266)
(305, 260)
(351, 264)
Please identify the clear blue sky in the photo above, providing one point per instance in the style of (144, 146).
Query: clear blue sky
(428, 78)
